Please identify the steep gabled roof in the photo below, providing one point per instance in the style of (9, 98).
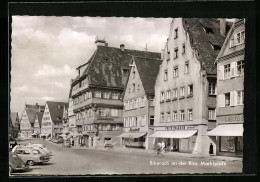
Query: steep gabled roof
(203, 41)
(31, 114)
(148, 70)
(106, 64)
(56, 110)
(39, 116)
(13, 117)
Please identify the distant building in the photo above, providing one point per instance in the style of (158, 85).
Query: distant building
(65, 120)
(71, 116)
(27, 119)
(52, 124)
(185, 89)
(138, 100)
(37, 124)
(97, 93)
(14, 125)
(230, 64)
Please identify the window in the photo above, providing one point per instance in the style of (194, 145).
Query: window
(212, 114)
(131, 105)
(240, 67)
(190, 90)
(168, 115)
(175, 93)
(151, 120)
(142, 102)
(114, 95)
(162, 117)
(190, 114)
(162, 96)
(114, 112)
(174, 115)
(133, 74)
(168, 95)
(240, 97)
(168, 56)
(227, 99)
(126, 105)
(212, 89)
(182, 91)
(133, 87)
(106, 95)
(101, 112)
(151, 102)
(240, 37)
(165, 75)
(176, 33)
(186, 68)
(136, 103)
(138, 87)
(226, 71)
(232, 42)
(143, 121)
(183, 48)
(182, 115)
(176, 53)
(175, 71)
(97, 94)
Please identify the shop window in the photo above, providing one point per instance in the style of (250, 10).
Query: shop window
(231, 144)
(212, 88)
(175, 71)
(240, 67)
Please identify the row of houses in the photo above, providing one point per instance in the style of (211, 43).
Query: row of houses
(189, 95)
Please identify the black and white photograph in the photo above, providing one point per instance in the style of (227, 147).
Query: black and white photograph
(94, 95)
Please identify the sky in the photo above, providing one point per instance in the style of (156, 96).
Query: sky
(45, 51)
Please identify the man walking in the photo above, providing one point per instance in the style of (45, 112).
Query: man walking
(163, 146)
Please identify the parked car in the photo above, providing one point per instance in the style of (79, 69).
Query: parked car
(16, 163)
(19, 139)
(55, 141)
(60, 140)
(35, 147)
(43, 147)
(31, 156)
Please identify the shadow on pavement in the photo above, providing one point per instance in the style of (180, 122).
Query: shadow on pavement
(45, 164)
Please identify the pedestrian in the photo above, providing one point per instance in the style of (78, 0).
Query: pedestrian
(72, 142)
(211, 149)
(163, 146)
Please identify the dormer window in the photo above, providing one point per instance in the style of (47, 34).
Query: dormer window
(208, 30)
(215, 47)
(125, 72)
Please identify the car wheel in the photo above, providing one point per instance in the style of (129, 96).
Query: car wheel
(30, 163)
(10, 169)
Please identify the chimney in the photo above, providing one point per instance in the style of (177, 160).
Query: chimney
(222, 26)
(37, 104)
(162, 53)
(122, 47)
(99, 41)
(106, 44)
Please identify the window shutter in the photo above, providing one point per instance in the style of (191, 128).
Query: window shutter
(235, 97)
(221, 72)
(233, 67)
(231, 98)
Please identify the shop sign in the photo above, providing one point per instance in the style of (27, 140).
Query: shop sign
(179, 127)
(232, 119)
(134, 129)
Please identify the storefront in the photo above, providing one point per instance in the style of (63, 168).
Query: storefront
(176, 140)
(229, 139)
(133, 139)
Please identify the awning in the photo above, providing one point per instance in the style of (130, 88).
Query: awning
(174, 134)
(132, 135)
(227, 130)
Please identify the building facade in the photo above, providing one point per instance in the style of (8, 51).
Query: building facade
(27, 119)
(185, 89)
(52, 120)
(14, 125)
(138, 100)
(230, 64)
(37, 124)
(97, 93)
